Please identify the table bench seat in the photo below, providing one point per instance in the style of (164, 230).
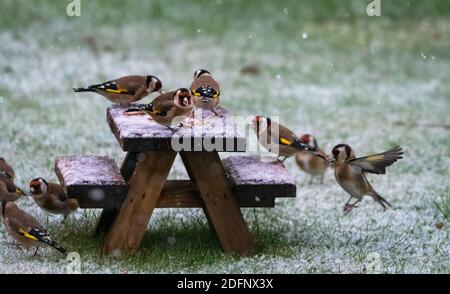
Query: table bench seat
(96, 182)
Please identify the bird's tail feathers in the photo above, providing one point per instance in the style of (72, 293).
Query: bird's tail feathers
(45, 238)
(77, 90)
(302, 146)
(381, 200)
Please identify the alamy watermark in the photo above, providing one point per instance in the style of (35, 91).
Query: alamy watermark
(228, 134)
(73, 260)
(374, 8)
(74, 8)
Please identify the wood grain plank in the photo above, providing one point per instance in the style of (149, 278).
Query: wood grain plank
(221, 203)
(109, 214)
(146, 185)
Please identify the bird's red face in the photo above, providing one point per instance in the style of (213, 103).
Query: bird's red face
(183, 97)
(341, 152)
(38, 186)
(309, 139)
(155, 84)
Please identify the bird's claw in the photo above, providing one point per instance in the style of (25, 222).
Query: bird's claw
(349, 207)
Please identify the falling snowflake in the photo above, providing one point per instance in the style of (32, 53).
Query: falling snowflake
(257, 199)
(199, 30)
(171, 240)
(285, 11)
(1, 99)
(140, 157)
(97, 195)
(250, 36)
(433, 57)
(423, 55)
(116, 253)
(305, 35)
(278, 77)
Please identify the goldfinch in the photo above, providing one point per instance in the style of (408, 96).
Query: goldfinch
(127, 89)
(52, 198)
(205, 90)
(169, 108)
(350, 172)
(8, 190)
(6, 169)
(272, 136)
(25, 229)
(311, 163)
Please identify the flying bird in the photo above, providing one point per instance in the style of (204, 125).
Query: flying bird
(350, 172)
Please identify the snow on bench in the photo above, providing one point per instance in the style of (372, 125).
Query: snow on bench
(259, 179)
(97, 183)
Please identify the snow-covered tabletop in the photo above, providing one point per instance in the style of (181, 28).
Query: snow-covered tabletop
(138, 133)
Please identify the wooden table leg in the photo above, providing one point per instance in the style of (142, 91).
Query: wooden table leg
(146, 185)
(192, 178)
(220, 202)
(108, 215)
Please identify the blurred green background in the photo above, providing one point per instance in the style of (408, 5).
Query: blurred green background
(324, 67)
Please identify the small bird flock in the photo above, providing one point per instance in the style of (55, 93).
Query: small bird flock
(174, 108)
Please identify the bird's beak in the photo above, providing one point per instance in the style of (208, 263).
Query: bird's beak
(21, 192)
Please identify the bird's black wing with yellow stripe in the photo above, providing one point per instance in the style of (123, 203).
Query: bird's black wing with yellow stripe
(377, 163)
(40, 235)
(294, 142)
(109, 87)
(160, 109)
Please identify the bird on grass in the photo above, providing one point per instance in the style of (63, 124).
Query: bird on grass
(205, 91)
(25, 229)
(311, 163)
(52, 198)
(277, 138)
(126, 89)
(168, 109)
(8, 189)
(6, 169)
(350, 172)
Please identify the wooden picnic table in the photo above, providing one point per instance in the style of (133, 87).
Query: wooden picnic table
(141, 185)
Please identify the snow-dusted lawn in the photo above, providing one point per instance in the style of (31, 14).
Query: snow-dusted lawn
(369, 83)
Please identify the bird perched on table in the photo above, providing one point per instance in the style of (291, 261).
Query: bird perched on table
(25, 229)
(126, 89)
(311, 163)
(6, 169)
(169, 108)
(277, 138)
(205, 90)
(52, 198)
(350, 172)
